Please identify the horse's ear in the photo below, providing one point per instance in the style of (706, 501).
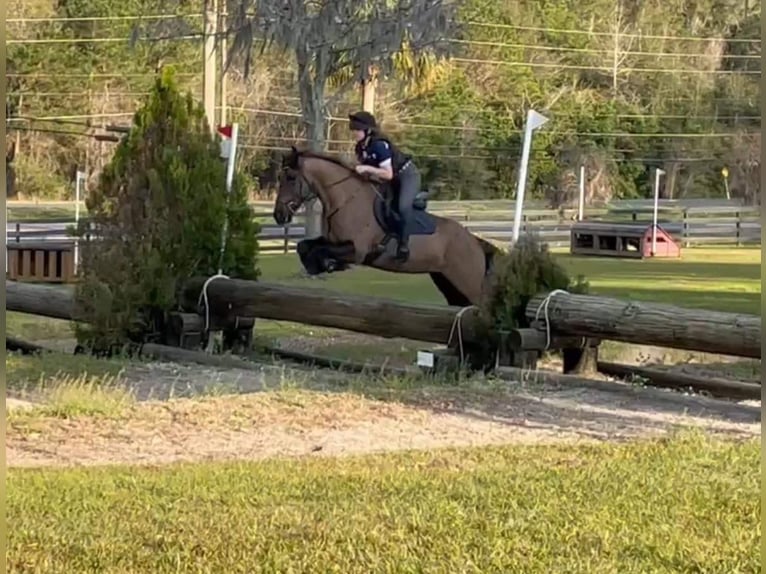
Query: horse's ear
(290, 160)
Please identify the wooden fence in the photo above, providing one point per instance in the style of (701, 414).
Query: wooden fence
(689, 225)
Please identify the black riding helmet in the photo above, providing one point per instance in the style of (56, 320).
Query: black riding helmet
(362, 121)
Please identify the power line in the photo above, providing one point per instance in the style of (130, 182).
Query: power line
(106, 40)
(603, 68)
(96, 96)
(612, 34)
(95, 75)
(256, 111)
(110, 39)
(297, 115)
(246, 145)
(416, 145)
(64, 119)
(600, 51)
(134, 17)
(555, 65)
(489, 157)
(126, 18)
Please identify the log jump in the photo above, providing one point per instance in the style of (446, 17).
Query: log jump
(555, 321)
(644, 323)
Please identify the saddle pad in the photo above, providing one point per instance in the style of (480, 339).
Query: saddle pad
(423, 223)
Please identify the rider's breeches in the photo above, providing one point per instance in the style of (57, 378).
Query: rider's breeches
(409, 186)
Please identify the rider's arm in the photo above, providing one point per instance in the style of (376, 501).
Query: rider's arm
(380, 154)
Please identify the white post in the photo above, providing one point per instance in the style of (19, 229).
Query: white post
(534, 121)
(581, 203)
(79, 178)
(231, 157)
(658, 172)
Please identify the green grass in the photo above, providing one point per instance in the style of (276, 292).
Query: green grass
(66, 386)
(689, 504)
(30, 213)
(36, 328)
(712, 278)
(24, 372)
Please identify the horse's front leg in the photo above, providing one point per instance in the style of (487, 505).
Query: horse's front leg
(309, 253)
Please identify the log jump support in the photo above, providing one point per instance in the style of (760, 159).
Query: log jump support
(522, 348)
(187, 331)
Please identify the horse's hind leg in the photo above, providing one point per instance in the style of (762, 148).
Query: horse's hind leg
(453, 296)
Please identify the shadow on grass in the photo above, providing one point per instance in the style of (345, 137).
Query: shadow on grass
(620, 411)
(586, 412)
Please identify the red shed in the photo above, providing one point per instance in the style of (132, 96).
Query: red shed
(632, 240)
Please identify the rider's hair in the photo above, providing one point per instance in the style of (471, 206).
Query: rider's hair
(376, 132)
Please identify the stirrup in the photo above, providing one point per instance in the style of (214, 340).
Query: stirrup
(402, 252)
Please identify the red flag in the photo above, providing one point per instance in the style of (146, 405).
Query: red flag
(225, 131)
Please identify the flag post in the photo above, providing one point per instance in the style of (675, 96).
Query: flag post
(229, 133)
(534, 121)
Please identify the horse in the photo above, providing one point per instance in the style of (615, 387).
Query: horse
(358, 228)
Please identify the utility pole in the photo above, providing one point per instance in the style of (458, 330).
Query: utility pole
(222, 46)
(368, 91)
(208, 54)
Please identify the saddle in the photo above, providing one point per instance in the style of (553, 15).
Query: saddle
(388, 217)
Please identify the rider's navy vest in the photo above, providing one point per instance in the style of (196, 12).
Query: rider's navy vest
(398, 158)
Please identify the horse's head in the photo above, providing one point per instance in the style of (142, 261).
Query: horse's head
(306, 175)
(292, 188)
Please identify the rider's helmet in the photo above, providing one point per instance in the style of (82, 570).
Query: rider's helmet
(362, 121)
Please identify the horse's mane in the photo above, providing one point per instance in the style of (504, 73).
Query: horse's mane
(326, 157)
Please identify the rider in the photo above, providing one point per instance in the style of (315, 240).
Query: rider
(378, 156)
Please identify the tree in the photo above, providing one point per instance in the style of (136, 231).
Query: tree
(158, 212)
(327, 38)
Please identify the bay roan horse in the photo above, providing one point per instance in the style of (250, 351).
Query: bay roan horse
(357, 226)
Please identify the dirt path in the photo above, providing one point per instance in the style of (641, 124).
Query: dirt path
(292, 422)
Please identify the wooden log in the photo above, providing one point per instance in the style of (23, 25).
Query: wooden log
(715, 386)
(175, 354)
(536, 340)
(44, 300)
(650, 324)
(57, 302)
(186, 323)
(382, 317)
(340, 364)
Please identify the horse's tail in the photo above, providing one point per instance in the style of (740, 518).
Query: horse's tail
(490, 251)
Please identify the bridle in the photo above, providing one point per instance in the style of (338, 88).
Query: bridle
(304, 196)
